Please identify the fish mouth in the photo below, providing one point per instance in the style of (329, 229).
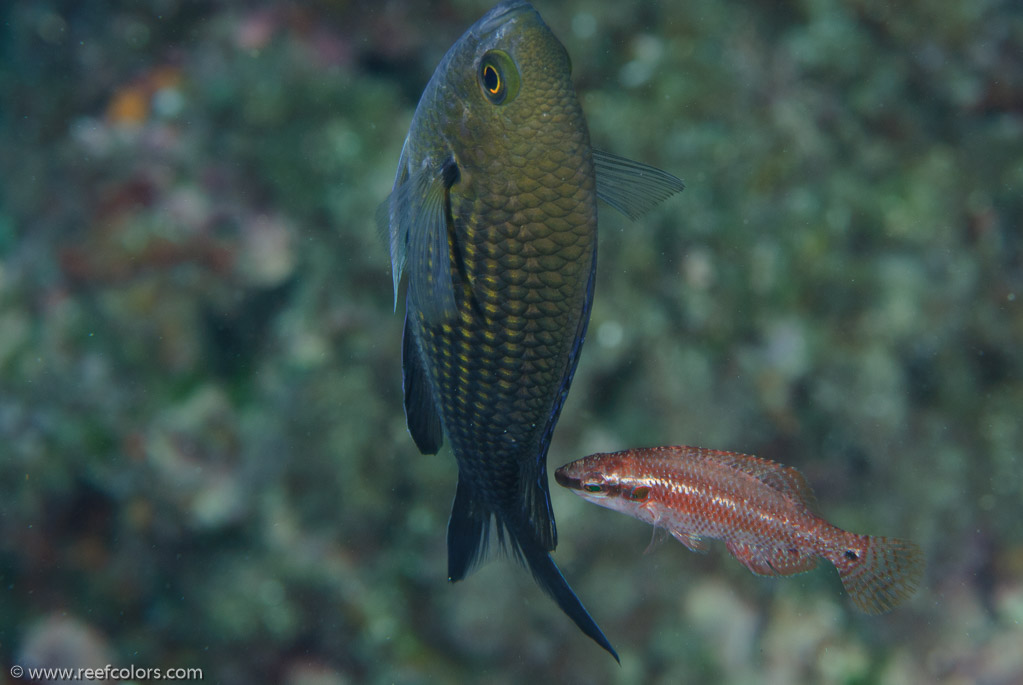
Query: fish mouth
(500, 14)
(565, 480)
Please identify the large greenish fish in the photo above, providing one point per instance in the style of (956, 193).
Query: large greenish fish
(493, 217)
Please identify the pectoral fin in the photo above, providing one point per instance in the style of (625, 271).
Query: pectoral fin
(416, 215)
(633, 188)
(389, 226)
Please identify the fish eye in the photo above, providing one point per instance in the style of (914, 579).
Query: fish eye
(491, 80)
(498, 77)
(593, 487)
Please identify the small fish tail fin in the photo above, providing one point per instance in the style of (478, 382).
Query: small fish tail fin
(879, 573)
(548, 576)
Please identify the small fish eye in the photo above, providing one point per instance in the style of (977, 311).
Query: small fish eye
(592, 487)
(498, 77)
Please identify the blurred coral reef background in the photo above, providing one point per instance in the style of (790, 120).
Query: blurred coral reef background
(203, 458)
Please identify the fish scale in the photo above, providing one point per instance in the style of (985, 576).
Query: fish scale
(707, 498)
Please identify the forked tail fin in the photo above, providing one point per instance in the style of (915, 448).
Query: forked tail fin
(879, 573)
(549, 578)
(468, 538)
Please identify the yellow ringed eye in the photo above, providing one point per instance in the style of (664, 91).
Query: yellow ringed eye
(491, 80)
(498, 77)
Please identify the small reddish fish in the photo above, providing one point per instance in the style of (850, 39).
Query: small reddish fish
(764, 512)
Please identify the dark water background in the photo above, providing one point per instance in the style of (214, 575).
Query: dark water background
(203, 459)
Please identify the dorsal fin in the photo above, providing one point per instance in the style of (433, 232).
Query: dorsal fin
(784, 479)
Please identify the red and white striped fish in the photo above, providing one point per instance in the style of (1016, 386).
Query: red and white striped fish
(764, 512)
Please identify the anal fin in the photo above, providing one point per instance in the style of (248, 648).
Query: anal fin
(778, 561)
(751, 557)
(421, 415)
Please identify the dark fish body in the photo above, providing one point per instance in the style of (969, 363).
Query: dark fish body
(493, 218)
(763, 511)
